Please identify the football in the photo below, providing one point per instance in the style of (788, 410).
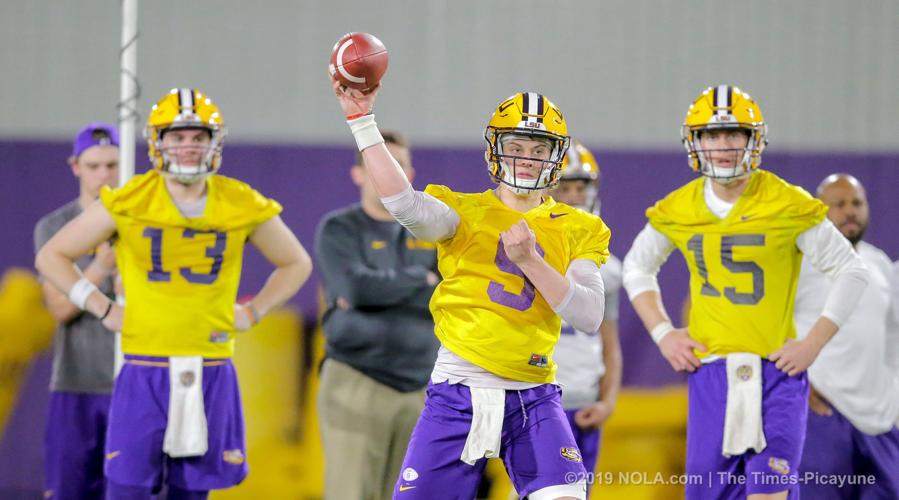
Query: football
(358, 61)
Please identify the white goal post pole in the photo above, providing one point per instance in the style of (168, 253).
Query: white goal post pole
(128, 91)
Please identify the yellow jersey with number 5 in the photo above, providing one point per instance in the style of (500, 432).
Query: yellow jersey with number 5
(743, 268)
(485, 310)
(181, 275)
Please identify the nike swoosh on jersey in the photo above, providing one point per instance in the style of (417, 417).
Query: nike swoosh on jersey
(553, 216)
(112, 454)
(404, 488)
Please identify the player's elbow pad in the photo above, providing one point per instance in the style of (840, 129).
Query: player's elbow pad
(585, 310)
(846, 291)
(641, 264)
(583, 307)
(428, 218)
(636, 283)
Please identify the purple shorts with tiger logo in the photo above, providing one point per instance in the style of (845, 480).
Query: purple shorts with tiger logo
(537, 446)
(137, 423)
(774, 469)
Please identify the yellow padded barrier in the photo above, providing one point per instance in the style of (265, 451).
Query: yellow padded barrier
(282, 434)
(26, 329)
(643, 448)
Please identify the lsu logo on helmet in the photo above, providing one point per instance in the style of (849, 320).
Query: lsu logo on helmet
(724, 107)
(532, 116)
(185, 108)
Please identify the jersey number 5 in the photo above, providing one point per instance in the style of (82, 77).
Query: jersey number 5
(727, 260)
(214, 252)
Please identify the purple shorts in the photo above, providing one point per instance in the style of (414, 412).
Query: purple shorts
(73, 445)
(538, 451)
(587, 441)
(784, 408)
(836, 452)
(137, 422)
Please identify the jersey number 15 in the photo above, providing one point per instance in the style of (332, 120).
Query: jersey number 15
(727, 260)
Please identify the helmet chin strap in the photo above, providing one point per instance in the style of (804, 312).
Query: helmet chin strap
(708, 168)
(517, 189)
(737, 172)
(725, 181)
(524, 186)
(186, 175)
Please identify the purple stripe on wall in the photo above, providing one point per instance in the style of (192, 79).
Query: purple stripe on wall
(310, 181)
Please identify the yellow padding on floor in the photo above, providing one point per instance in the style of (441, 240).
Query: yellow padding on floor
(642, 452)
(283, 446)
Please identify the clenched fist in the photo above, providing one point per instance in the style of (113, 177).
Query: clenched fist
(520, 242)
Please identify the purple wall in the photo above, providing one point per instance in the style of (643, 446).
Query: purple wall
(22, 443)
(310, 181)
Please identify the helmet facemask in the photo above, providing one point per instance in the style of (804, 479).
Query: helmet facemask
(743, 160)
(509, 167)
(210, 155)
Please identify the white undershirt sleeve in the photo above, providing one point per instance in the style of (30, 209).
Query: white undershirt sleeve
(428, 218)
(584, 303)
(649, 251)
(830, 253)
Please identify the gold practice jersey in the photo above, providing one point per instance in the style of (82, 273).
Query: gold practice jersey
(743, 268)
(181, 275)
(485, 310)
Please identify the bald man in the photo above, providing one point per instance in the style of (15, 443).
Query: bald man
(852, 442)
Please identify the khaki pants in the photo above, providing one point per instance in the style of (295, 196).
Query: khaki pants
(365, 428)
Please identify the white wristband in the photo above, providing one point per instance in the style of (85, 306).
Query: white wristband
(80, 291)
(366, 132)
(660, 330)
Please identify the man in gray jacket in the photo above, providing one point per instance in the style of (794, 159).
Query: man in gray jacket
(380, 343)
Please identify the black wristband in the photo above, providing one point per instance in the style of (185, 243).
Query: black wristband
(108, 308)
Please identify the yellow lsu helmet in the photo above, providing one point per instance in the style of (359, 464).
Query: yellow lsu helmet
(534, 117)
(579, 164)
(724, 107)
(185, 108)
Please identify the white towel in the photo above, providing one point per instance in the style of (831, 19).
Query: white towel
(119, 356)
(743, 417)
(488, 407)
(186, 432)
(119, 361)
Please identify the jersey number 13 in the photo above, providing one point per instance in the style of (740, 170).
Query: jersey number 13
(214, 252)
